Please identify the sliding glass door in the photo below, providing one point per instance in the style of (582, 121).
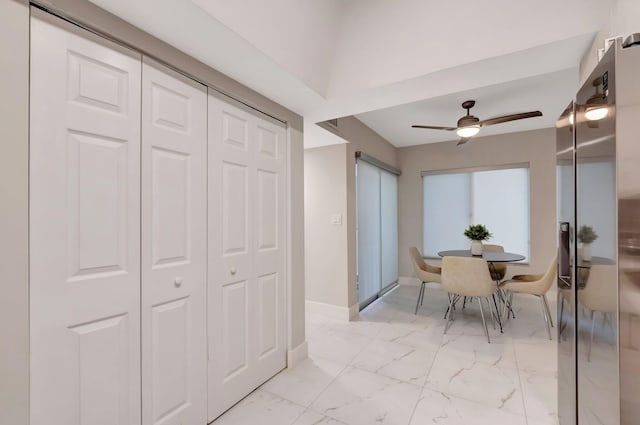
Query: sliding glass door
(388, 229)
(376, 230)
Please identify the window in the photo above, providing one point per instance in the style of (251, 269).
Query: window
(497, 198)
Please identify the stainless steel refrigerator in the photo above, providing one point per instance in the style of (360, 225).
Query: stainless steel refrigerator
(598, 181)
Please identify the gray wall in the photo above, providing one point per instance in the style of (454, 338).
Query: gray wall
(14, 236)
(296, 239)
(536, 147)
(330, 188)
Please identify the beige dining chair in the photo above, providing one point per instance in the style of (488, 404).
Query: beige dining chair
(533, 284)
(600, 295)
(425, 272)
(499, 269)
(468, 277)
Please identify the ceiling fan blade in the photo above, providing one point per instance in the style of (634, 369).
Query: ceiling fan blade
(434, 127)
(463, 140)
(507, 118)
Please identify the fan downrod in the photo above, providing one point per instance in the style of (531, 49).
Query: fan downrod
(468, 104)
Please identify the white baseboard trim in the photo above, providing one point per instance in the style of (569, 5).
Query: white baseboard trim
(354, 311)
(333, 311)
(297, 355)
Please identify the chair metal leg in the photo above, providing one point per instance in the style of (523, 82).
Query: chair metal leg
(593, 322)
(504, 297)
(497, 312)
(544, 315)
(508, 302)
(448, 305)
(493, 316)
(546, 304)
(450, 311)
(464, 302)
(451, 306)
(484, 323)
(420, 294)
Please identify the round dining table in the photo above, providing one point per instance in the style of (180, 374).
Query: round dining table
(489, 256)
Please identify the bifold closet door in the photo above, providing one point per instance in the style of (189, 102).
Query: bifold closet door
(84, 229)
(174, 237)
(246, 292)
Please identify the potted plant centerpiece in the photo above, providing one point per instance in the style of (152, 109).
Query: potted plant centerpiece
(477, 233)
(586, 236)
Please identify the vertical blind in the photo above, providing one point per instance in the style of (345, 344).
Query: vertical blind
(376, 230)
(497, 198)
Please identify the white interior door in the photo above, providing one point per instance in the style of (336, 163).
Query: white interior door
(174, 229)
(84, 229)
(246, 292)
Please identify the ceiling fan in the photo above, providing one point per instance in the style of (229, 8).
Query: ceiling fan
(469, 125)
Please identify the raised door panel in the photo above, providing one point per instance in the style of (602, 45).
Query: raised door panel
(235, 335)
(174, 206)
(235, 215)
(171, 353)
(170, 198)
(84, 228)
(101, 348)
(97, 205)
(268, 309)
(267, 210)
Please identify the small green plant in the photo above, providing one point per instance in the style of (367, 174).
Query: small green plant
(586, 235)
(477, 232)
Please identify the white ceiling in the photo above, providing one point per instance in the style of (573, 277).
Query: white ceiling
(386, 61)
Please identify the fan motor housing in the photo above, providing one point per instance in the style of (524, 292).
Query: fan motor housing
(467, 120)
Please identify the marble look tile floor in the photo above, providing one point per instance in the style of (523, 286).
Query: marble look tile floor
(393, 367)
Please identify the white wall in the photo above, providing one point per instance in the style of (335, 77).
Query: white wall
(537, 147)
(302, 35)
(14, 236)
(622, 20)
(330, 188)
(377, 35)
(326, 252)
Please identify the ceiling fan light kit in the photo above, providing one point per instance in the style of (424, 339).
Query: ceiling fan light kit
(467, 131)
(469, 125)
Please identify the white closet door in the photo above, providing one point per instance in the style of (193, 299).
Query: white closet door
(84, 229)
(247, 330)
(174, 228)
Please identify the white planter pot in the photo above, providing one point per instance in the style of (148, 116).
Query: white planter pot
(586, 252)
(476, 247)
